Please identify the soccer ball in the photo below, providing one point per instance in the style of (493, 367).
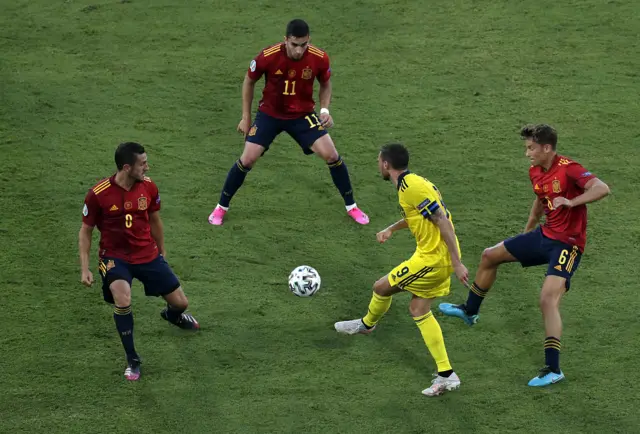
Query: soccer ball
(304, 281)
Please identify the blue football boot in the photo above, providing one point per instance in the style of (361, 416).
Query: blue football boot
(459, 311)
(546, 377)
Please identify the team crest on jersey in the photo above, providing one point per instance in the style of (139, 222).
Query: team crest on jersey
(253, 131)
(556, 186)
(142, 203)
(110, 264)
(307, 73)
(128, 205)
(292, 73)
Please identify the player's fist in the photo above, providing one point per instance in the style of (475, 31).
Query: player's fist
(384, 235)
(462, 273)
(326, 120)
(244, 125)
(561, 201)
(87, 278)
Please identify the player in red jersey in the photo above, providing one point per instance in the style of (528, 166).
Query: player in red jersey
(125, 209)
(290, 69)
(563, 188)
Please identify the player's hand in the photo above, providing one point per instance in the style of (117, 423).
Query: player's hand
(384, 235)
(462, 273)
(244, 125)
(561, 201)
(87, 278)
(326, 120)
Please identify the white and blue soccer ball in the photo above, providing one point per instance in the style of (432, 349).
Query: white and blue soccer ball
(304, 281)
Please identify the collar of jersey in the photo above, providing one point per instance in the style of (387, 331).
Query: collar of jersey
(402, 175)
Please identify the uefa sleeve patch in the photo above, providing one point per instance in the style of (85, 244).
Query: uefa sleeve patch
(585, 174)
(85, 210)
(252, 66)
(424, 203)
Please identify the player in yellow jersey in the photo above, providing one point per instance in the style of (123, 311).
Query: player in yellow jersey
(427, 274)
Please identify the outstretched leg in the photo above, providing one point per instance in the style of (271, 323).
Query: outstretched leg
(378, 306)
(177, 304)
(491, 259)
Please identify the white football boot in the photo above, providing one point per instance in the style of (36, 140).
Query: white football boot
(441, 385)
(352, 327)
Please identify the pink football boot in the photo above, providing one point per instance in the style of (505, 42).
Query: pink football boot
(357, 214)
(217, 216)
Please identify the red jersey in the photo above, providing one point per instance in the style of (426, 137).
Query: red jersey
(122, 217)
(288, 89)
(565, 178)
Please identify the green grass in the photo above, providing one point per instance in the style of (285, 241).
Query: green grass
(452, 80)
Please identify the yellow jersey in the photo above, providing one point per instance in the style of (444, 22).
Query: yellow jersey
(419, 198)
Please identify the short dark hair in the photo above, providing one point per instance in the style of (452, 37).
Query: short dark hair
(542, 134)
(127, 153)
(297, 28)
(396, 155)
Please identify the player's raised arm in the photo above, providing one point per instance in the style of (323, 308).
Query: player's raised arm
(537, 211)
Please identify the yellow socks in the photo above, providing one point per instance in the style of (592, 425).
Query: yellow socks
(432, 335)
(378, 306)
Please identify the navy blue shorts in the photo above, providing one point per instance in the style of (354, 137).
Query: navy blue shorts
(157, 276)
(533, 248)
(304, 130)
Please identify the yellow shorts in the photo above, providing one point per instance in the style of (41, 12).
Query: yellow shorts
(424, 281)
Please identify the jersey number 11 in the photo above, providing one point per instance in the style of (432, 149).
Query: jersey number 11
(286, 88)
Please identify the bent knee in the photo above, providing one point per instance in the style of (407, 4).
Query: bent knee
(121, 293)
(496, 255)
(252, 152)
(248, 161)
(382, 287)
(548, 301)
(332, 156)
(488, 256)
(178, 299)
(418, 310)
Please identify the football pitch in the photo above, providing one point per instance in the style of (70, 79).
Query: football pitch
(453, 80)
